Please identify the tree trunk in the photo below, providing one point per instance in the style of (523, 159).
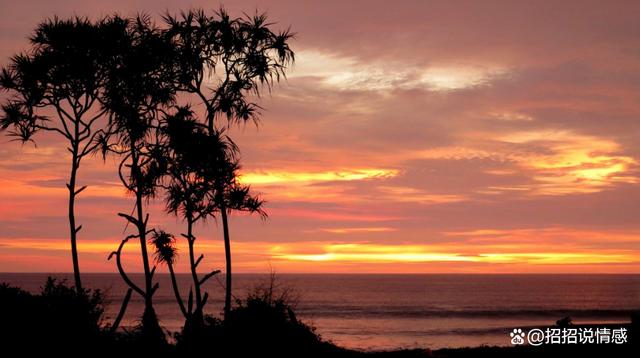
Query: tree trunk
(123, 310)
(151, 327)
(198, 317)
(176, 291)
(143, 248)
(73, 230)
(227, 255)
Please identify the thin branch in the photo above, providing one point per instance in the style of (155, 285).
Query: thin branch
(198, 260)
(176, 291)
(208, 276)
(127, 280)
(123, 309)
(130, 218)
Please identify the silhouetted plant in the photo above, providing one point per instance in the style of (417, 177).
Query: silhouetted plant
(262, 324)
(137, 88)
(33, 323)
(225, 62)
(63, 72)
(230, 195)
(564, 322)
(222, 60)
(133, 70)
(204, 181)
(166, 253)
(193, 153)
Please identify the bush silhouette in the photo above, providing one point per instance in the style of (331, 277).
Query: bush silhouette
(58, 319)
(261, 324)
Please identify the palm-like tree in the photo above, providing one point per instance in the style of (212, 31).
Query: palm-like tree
(188, 192)
(62, 71)
(138, 87)
(213, 160)
(203, 181)
(165, 252)
(230, 196)
(221, 171)
(225, 62)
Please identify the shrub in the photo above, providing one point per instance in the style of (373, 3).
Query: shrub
(59, 319)
(261, 324)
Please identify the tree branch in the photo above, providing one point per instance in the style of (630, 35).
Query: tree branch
(123, 309)
(208, 276)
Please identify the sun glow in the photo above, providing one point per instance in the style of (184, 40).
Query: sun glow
(379, 253)
(482, 250)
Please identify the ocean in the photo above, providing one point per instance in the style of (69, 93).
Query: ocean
(375, 311)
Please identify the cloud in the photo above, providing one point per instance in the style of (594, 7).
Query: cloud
(413, 195)
(567, 163)
(344, 73)
(375, 253)
(352, 230)
(284, 177)
(512, 125)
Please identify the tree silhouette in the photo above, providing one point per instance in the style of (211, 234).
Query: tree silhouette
(202, 180)
(61, 74)
(166, 253)
(129, 71)
(225, 62)
(231, 195)
(138, 87)
(192, 152)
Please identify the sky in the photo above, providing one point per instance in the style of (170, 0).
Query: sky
(409, 137)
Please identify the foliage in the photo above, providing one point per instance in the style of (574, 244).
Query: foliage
(165, 250)
(64, 73)
(223, 60)
(52, 317)
(266, 319)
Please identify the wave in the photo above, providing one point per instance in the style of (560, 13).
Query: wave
(412, 312)
(476, 331)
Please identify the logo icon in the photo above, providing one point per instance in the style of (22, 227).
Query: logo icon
(517, 336)
(536, 337)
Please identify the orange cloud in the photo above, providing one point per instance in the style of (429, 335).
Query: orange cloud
(556, 162)
(409, 194)
(369, 252)
(576, 163)
(351, 230)
(286, 177)
(285, 185)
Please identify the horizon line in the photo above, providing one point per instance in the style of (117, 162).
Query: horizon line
(344, 273)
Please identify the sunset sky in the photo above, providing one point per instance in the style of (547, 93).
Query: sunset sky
(410, 136)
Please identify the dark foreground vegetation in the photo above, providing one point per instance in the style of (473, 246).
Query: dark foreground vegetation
(61, 321)
(158, 94)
